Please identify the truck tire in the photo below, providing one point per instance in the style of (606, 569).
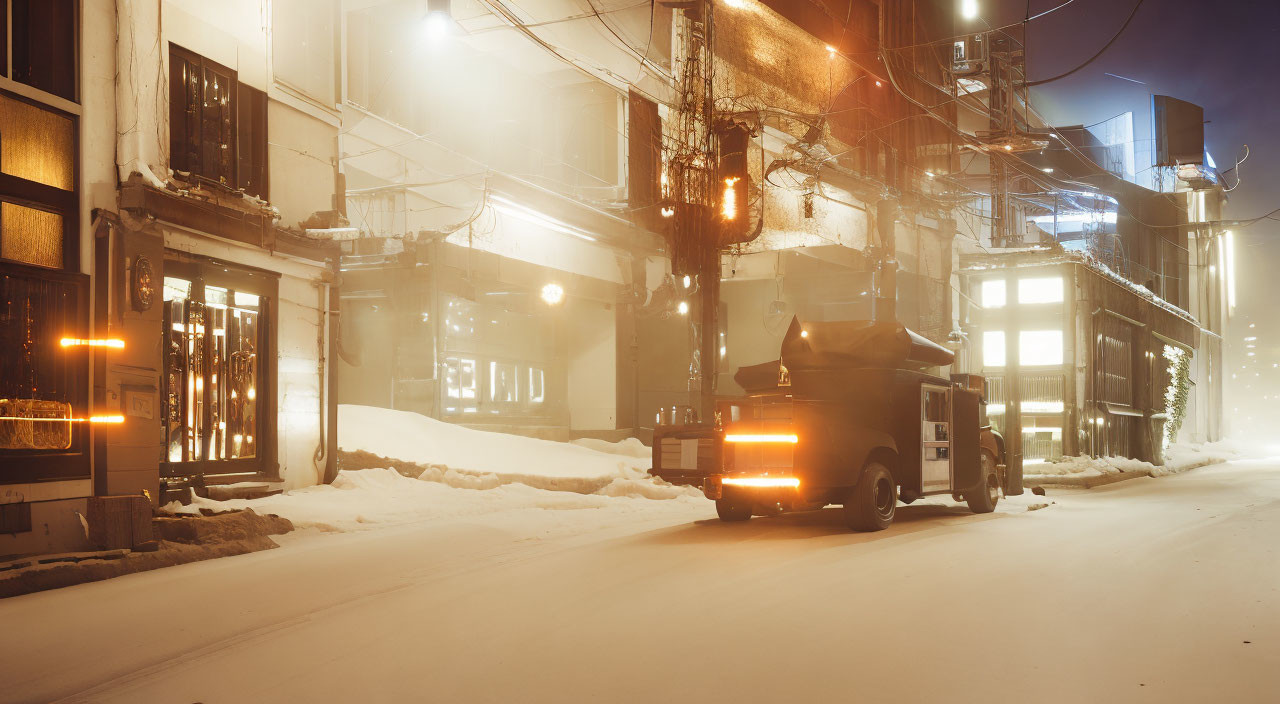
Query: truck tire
(731, 508)
(871, 504)
(984, 498)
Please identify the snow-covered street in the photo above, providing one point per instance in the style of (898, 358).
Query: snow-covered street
(1164, 589)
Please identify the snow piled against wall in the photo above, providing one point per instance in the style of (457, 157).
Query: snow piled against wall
(1178, 458)
(373, 498)
(411, 437)
(467, 472)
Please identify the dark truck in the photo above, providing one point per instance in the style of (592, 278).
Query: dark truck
(845, 416)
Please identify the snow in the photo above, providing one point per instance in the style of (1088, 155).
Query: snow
(466, 473)
(1156, 591)
(1178, 458)
(411, 437)
(374, 498)
(1055, 255)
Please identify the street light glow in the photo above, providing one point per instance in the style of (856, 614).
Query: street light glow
(552, 294)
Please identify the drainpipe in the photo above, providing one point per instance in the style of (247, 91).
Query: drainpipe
(324, 293)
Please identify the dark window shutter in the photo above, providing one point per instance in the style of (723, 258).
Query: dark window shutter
(644, 148)
(202, 116)
(44, 45)
(251, 141)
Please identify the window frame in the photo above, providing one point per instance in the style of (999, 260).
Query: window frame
(30, 194)
(242, 150)
(264, 284)
(22, 466)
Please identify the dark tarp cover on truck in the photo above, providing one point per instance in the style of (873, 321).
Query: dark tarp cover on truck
(846, 344)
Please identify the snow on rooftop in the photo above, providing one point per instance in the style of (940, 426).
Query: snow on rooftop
(1056, 255)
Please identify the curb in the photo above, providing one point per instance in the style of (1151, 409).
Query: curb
(1096, 480)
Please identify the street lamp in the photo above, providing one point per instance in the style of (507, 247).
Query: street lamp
(969, 9)
(552, 294)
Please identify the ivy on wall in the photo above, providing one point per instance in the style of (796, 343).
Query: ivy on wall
(1178, 392)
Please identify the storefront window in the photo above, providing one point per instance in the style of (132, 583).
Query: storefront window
(41, 382)
(1040, 348)
(993, 348)
(214, 370)
(1040, 290)
(993, 293)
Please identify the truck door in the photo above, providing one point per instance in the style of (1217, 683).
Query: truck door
(935, 450)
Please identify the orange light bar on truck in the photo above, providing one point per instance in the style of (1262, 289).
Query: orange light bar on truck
(80, 342)
(762, 482)
(791, 439)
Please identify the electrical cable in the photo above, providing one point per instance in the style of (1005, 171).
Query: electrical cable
(1236, 169)
(1091, 59)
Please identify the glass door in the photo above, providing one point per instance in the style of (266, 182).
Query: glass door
(214, 373)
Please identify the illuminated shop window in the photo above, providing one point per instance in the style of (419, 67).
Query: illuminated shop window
(993, 348)
(504, 384)
(993, 293)
(213, 369)
(1040, 290)
(460, 384)
(1040, 348)
(537, 385)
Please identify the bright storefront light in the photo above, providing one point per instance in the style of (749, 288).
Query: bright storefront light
(993, 348)
(1040, 348)
(993, 293)
(1040, 290)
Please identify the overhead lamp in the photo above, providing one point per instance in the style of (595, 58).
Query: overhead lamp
(552, 294)
(439, 21)
(687, 281)
(1047, 169)
(683, 308)
(969, 9)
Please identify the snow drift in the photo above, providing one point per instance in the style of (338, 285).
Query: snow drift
(411, 437)
(463, 472)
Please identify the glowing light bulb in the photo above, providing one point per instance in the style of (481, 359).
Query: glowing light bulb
(683, 308)
(552, 294)
(969, 9)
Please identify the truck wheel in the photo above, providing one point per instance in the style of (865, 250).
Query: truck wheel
(872, 503)
(732, 508)
(984, 498)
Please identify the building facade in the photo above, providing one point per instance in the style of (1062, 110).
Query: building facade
(197, 311)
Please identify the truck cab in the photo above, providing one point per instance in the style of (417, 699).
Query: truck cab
(849, 416)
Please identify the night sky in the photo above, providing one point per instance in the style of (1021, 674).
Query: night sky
(1224, 56)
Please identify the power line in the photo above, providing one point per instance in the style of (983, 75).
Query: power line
(1095, 56)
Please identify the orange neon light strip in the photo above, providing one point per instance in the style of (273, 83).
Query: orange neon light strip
(762, 482)
(80, 342)
(792, 439)
(91, 419)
